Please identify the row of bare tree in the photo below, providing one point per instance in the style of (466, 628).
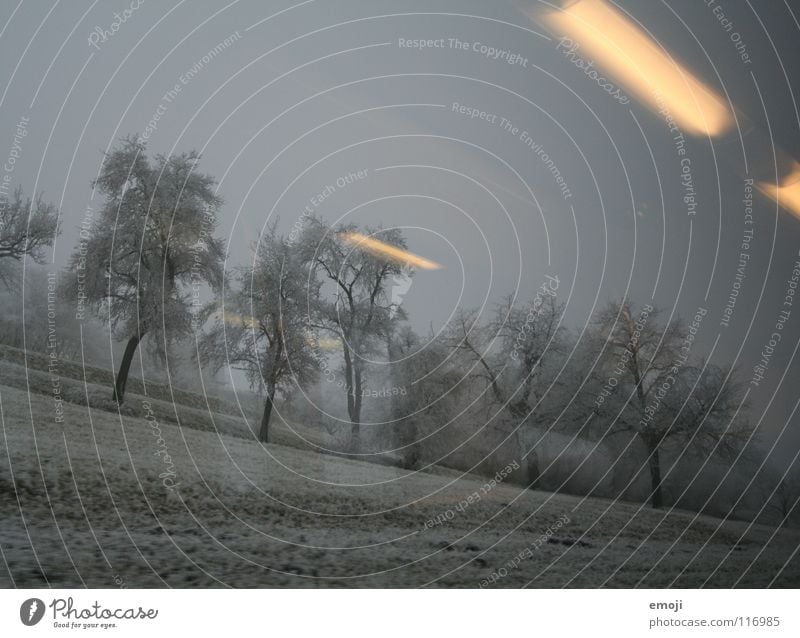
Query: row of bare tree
(152, 251)
(629, 376)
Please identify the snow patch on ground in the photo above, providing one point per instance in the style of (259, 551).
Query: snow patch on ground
(87, 502)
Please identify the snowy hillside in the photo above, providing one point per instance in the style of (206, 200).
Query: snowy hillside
(99, 509)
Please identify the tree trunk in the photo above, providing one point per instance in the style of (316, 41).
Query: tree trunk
(124, 368)
(263, 434)
(353, 382)
(272, 383)
(656, 497)
(355, 415)
(348, 374)
(413, 452)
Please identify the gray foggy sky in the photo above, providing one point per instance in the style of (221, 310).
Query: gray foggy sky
(323, 89)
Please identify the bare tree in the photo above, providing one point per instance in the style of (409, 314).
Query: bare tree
(435, 393)
(264, 326)
(509, 355)
(782, 491)
(31, 324)
(510, 350)
(27, 227)
(403, 348)
(652, 391)
(474, 341)
(354, 306)
(530, 336)
(150, 250)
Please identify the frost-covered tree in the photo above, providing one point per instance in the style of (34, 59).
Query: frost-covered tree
(507, 358)
(782, 490)
(510, 351)
(30, 323)
(434, 396)
(355, 305)
(263, 327)
(530, 337)
(149, 251)
(654, 391)
(27, 227)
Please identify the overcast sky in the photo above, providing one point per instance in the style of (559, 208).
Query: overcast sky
(293, 97)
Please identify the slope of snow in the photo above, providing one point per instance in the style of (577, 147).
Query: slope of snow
(104, 500)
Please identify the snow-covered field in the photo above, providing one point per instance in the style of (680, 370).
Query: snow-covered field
(91, 501)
